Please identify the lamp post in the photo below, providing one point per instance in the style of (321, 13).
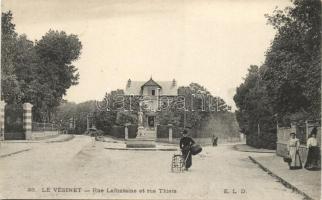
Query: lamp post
(158, 99)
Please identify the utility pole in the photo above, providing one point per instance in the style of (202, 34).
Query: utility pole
(184, 118)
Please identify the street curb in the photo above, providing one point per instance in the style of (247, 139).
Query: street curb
(280, 179)
(237, 149)
(141, 149)
(64, 140)
(13, 153)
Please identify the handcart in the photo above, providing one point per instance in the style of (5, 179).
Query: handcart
(178, 162)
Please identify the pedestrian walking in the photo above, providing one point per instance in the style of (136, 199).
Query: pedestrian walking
(293, 151)
(313, 161)
(185, 145)
(214, 140)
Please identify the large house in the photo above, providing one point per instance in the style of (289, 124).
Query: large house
(151, 91)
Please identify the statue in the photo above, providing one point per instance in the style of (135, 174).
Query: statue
(140, 118)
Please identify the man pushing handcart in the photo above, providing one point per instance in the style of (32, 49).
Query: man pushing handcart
(182, 162)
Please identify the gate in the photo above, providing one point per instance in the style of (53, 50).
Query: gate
(13, 128)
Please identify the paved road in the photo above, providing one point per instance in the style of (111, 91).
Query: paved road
(48, 169)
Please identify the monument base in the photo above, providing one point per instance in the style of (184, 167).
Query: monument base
(140, 143)
(144, 139)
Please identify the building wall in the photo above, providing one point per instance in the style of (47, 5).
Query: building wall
(147, 90)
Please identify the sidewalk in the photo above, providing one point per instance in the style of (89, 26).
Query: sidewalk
(58, 138)
(11, 147)
(246, 148)
(303, 181)
(8, 150)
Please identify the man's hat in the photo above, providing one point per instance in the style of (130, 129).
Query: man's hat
(185, 132)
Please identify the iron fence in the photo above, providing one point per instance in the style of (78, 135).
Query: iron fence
(37, 126)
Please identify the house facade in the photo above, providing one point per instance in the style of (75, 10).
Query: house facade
(150, 92)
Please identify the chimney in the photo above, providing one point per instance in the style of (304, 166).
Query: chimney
(174, 82)
(128, 83)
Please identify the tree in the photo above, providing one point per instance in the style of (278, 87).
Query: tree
(288, 85)
(292, 69)
(105, 115)
(56, 51)
(40, 72)
(10, 90)
(78, 112)
(254, 113)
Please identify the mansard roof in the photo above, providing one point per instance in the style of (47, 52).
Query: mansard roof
(168, 88)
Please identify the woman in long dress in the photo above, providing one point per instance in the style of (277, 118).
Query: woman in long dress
(313, 156)
(293, 150)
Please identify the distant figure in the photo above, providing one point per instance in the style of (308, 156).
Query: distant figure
(313, 156)
(214, 140)
(293, 151)
(185, 144)
(93, 134)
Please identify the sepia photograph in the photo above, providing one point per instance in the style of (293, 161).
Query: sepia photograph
(160, 99)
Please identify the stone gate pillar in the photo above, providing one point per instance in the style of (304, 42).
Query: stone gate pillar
(2, 118)
(170, 132)
(27, 120)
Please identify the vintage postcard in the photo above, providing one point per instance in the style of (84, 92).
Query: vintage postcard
(160, 99)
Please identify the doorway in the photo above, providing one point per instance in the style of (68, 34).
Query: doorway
(151, 121)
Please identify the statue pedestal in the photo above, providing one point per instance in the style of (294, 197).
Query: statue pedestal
(142, 140)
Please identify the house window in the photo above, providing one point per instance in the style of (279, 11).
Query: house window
(153, 92)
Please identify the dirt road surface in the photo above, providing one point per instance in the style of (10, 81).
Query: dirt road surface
(76, 169)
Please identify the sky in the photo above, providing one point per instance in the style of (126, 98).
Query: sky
(210, 42)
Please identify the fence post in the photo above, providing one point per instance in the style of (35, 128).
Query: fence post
(126, 129)
(27, 120)
(2, 118)
(170, 132)
(306, 129)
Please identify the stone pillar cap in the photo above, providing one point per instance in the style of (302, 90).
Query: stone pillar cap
(27, 105)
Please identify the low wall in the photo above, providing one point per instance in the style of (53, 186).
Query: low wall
(201, 141)
(38, 135)
(163, 131)
(281, 150)
(119, 131)
(35, 135)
